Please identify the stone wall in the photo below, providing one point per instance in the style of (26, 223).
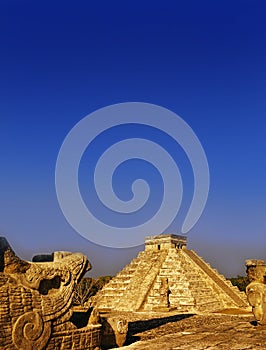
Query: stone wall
(165, 242)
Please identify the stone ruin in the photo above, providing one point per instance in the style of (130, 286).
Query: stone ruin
(36, 298)
(256, 290)
(35, 303)
(168, 276)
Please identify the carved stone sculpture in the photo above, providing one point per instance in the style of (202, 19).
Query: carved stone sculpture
(114, 331)
(35, 302)
(164, 292)
(256, 290)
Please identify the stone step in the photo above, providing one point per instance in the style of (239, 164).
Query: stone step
(216, 278)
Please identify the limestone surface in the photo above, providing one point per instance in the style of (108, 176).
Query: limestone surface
(197, 332)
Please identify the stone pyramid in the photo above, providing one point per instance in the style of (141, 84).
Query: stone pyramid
(168, 276)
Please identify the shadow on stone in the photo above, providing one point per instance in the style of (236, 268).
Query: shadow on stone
(80, 319)
(142, 326)
(47, 285)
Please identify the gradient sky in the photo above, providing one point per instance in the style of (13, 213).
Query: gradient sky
(204, 60)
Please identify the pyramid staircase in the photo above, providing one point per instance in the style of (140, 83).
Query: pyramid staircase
(169, 276)
(127, 290)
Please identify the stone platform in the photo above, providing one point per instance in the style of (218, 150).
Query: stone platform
(197, 332)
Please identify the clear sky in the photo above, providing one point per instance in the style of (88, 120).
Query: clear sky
(204, 60)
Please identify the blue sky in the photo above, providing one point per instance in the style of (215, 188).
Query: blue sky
(204, 60)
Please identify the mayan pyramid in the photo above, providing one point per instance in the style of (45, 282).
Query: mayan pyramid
(168, 276)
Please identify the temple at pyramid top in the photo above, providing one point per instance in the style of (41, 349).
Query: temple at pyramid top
(168, 276)
(167, 241)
